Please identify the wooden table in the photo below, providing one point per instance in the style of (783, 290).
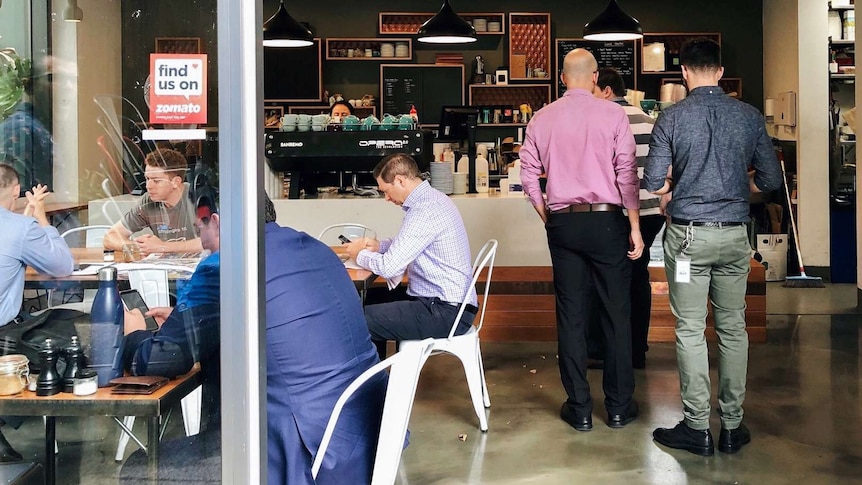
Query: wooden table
(52, 208)
(362, 278)
(152, 406)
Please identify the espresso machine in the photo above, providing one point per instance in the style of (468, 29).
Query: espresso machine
(306, 153)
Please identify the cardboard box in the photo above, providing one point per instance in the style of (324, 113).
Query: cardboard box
(518, 69)
(773, 252)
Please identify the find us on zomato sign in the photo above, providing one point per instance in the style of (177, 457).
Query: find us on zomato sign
(178, 88)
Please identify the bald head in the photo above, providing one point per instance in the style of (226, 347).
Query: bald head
(579, 69)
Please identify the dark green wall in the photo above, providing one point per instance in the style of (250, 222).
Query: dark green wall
(739, 22)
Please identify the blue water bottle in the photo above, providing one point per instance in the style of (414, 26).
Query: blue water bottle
(107, 328)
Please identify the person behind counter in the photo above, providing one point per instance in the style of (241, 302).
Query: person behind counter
(165, 209)
(340, 109)
(431, 246)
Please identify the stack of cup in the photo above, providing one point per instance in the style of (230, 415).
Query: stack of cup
(442, 177)
(304, 122)
(459, 183)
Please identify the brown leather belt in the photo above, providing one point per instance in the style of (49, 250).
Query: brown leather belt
(588, 208)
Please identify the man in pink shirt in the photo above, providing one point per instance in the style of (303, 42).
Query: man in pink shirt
(585, 147)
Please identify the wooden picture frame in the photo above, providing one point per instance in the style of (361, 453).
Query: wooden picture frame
(272, 117)
(178, 45)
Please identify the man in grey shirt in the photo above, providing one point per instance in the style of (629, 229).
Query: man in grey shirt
(719, 152)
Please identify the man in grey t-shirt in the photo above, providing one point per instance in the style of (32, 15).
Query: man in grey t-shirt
(165, 209)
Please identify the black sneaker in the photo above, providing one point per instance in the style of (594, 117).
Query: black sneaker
(732, 440)
(682, 437)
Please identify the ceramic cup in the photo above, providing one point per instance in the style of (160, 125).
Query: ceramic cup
(319, 122)
(370, 123)
(405, 122)
(351, 123)
(288, 122)
(304, 122)
(389, 122)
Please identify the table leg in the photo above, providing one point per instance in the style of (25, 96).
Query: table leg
(50, 456)
(153, 449)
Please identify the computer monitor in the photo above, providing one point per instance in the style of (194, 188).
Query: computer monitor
(454, 125)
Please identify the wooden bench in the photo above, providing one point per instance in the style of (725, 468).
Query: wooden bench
(521, 306)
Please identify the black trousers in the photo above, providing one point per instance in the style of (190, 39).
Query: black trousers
(415, 318)
(641, 297)
(588, 254)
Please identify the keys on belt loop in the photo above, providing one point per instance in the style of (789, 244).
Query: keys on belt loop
(689, 238)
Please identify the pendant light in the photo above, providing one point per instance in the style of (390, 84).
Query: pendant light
(281, 30)
(613, 24)
(72, 12)
(447, 27)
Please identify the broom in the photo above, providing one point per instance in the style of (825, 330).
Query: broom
(803, 280)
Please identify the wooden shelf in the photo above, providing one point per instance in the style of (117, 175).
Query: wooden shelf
(529, 44)
(400, 23)
(514, 95)
(341, 48)
(842, 76)
(842, 42)
(673, 41)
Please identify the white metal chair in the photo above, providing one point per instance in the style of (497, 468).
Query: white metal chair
(466, 346)
(95, 234)
(329, 235)
(403, 378)
(152, 284)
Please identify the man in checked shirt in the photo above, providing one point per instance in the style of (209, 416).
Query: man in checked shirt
(433, 249)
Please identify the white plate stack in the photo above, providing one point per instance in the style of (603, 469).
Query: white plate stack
(387, 50)
(459, 183)
(441, 177)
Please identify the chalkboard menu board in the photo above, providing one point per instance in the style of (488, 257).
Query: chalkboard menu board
(621, 55)
(428, 87)
(292, 74)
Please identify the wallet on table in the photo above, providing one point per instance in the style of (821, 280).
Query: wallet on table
(137, 384)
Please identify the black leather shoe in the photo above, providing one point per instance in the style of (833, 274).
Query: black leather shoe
(7, 453)
(619, 420)
(682, 437)
(580, 423)
(732, 440)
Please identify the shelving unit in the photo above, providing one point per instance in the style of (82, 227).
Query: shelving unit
(400, 23)
(350, 48)
(529, 45)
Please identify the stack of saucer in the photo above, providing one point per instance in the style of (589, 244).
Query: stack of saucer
(387, 50)
(441, 176)
(459, 183)
(401, 49)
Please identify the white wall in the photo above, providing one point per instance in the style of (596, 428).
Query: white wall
(780, 55)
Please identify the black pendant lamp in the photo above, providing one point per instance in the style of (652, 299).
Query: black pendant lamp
(613, 24)
(281, 30)
(447, 27)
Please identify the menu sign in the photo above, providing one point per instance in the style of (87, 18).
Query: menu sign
(178, 88)
(427, 87)
(621, 55)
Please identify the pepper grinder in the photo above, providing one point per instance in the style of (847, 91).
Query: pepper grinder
(49, 382)
(74, 356)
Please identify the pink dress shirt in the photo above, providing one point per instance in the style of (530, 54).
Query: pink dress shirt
(585, 146)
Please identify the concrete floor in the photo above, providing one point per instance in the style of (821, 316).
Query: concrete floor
(803, 408)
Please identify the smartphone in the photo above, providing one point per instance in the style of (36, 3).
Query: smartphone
(131, 300)
(343, 239)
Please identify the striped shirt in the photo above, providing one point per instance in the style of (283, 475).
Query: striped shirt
(431, 246)
(641, 125)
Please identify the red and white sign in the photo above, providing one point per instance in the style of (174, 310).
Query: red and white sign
(178, 88)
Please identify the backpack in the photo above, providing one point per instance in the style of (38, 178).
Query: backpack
(29, 335)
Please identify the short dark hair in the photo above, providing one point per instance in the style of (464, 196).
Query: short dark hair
(396, 164)
(342, 102)
(8, 176)
(171, 161)
(608, 76)
(269, 214)
(700, 53)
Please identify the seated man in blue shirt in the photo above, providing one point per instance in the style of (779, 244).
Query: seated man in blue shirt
(25, 240)
(196, 312)
(317, 343)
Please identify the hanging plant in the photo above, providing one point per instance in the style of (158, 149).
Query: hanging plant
(14, 75)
